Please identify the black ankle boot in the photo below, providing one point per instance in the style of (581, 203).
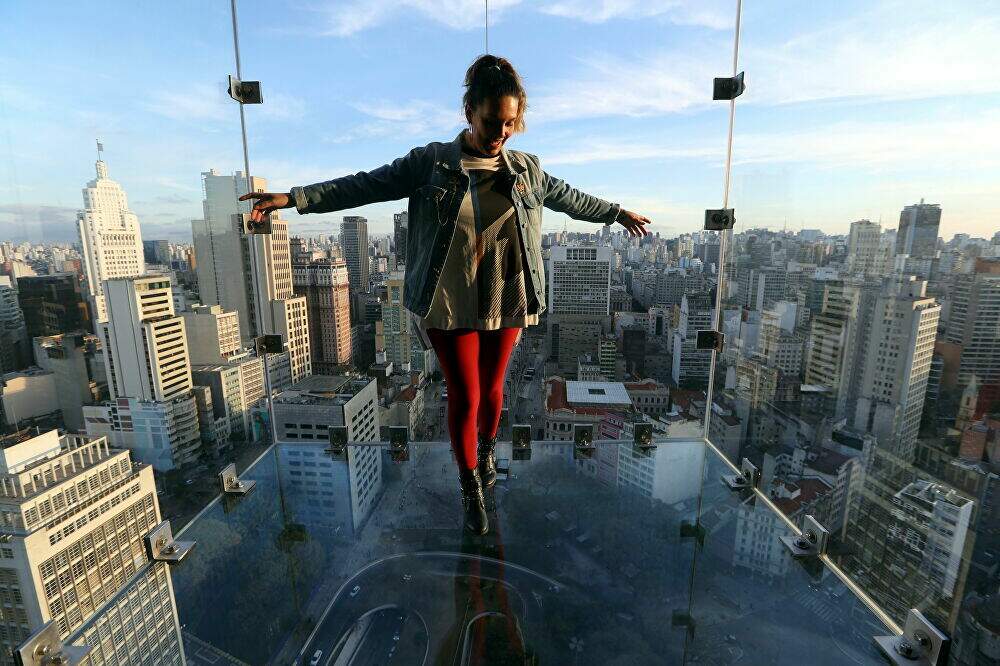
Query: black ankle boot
(486, 454)
(473, 501)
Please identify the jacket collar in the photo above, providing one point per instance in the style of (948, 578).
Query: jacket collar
(453, 157)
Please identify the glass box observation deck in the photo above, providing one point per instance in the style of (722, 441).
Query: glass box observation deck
(609, 554)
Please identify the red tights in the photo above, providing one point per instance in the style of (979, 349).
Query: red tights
(474, 364)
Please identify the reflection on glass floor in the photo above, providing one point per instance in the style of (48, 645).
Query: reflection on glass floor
(623, 557)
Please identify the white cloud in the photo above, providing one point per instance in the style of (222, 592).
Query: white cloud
(413, 117)
(199, 102)
(717, 14)
(344, 19)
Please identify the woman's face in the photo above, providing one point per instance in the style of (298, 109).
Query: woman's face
(492, 123)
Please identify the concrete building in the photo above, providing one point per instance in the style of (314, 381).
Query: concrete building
(109, 237)
(76, 361)
(569, 402)
(149, 375)
(76, 512)
(863, 248)
(27, 395)
(579, 280)
(395, 332)
(974, 322)
(325, 286)
(305, 412)
(213, 335)
(400, 229)
(53, 304)
(691, 365)
(236, 386)
(15, 349)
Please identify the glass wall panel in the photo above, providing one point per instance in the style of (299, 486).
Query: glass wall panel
(861, 351)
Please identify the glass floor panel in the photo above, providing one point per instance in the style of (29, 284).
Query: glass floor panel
(619, 557)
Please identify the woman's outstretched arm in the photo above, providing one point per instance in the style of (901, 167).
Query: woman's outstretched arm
(562, 197)
(386, 183)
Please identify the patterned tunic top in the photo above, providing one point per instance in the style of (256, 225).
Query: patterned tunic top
(483, 283)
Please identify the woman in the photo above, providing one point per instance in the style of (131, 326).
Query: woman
(474, 274)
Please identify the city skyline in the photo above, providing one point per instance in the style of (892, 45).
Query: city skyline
(819, 143)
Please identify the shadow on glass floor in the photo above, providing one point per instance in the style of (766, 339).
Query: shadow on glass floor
(621, 556)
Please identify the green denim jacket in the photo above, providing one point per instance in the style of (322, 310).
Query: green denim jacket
(433, 179)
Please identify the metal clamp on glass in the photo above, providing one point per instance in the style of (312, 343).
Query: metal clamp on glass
(693, 531)
(338, 441)
(249, 227)
(45, 648)
(642, 435)
(709, 340)
(399, 443)
(231, 484)
(245, 92)
(922, 644)
(268, 344)
(583, 440)
(728, 87)
(748, 477)
(161, 547)
(720, 219)
(811, 543)
(520, 439)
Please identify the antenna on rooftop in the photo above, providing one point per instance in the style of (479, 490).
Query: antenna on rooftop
(100, 150)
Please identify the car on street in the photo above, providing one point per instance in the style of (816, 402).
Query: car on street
(317, 655)
(354, 592)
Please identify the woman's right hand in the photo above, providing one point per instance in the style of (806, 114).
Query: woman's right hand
(266, 202)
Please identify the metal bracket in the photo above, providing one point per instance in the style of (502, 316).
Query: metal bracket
(922, 644)
(231, 484)
(249, 227)
(520, 437)
(693, 531)
(399, 445)
(709, 340)
(720, 219)
(811, 543)
(161, 547)
(748, 477)
(728, 87)
(583, 440)
(245, 92)
(338, 441)
(642, 435)
(268, 344)
(45, 648)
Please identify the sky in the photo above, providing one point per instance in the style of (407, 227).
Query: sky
(852, 109)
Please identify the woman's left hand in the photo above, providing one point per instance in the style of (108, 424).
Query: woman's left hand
(633, 222)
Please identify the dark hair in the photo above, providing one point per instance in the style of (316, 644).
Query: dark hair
(493, 77)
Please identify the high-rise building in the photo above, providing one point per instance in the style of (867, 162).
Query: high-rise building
(580, 280)
(394, 332)
(690, 364)
(156, 252)
(78, 511)
(863, 248)
(974, 322)
(325, 286)
(76, 362)
(53, 304)
(354, 241)
(400, 229)
(918, 230)
(152, 410)
(14, 345)
(250, 274)
(897, 363)
(109, 238)
(213, 335)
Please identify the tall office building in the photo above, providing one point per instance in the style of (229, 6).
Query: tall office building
(77, 512)
(974, 322)
(918, 230)
(394, 332)
(325, 286)
(691, 365)
(400, 229)
(897, 363)
(213, 335)
(109, 238)
(354, 241)
(152, 410)
(580, 280)
(250, 275)
(863, 248)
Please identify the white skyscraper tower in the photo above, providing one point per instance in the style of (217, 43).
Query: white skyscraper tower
(109, 237)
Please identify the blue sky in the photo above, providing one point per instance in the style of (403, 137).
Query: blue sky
(853, 110)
